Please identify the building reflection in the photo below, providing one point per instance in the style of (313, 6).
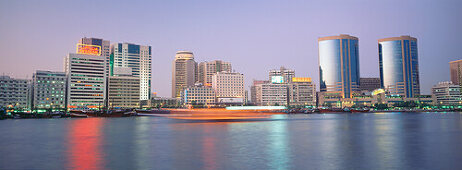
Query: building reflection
(84, 144)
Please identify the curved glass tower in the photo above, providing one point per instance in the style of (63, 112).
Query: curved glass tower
(399, 66)
(339, 64)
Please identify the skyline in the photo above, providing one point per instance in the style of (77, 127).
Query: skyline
(241, 33)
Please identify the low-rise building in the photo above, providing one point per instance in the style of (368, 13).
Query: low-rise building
(447, 93)
(198, 95)
(49, 90)
(229, 87)
(14, 93)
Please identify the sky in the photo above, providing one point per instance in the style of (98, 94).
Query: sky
(254, 35)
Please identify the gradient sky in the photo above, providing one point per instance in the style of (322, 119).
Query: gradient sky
(255, 36)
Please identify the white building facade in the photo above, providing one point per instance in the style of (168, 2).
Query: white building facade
(49, 90)
(229, 87)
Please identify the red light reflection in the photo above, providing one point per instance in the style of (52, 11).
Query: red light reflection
(85, 143)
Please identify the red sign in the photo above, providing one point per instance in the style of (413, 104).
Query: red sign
(89, 49)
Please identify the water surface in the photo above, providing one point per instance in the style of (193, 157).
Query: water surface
(318, 141)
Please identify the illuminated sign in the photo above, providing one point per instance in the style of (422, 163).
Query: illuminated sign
(277, 79)
(89, 49)
(378, 91)
(301, 79)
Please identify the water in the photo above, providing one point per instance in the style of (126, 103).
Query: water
(319, 141)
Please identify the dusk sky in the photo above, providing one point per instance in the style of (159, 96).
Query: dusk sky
(255, 36)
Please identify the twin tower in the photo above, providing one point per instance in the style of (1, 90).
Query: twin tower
(398, 64)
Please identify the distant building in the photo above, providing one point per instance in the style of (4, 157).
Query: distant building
(184, 72)
(369, 84)
(208, 69)
(165, 102)
(124, 92)
(399, 66)
(282, 75)
(139, 59)
(198, 95)
(49, 90)
(299, 92)
(339, 64)
(86, 81)
(229, 87)
(455, 68)
(14, 93)
(95, 46)
(334, 99)
(255, 96)
(447, 93)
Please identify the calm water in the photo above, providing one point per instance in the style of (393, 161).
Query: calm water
(321, 141)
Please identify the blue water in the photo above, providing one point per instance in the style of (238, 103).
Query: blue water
(318, 141)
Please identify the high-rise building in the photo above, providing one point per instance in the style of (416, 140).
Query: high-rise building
(339, 64)
(184, 72)
(14, 93)
(229, 87)
(282, 75)
(208, 69)
(95, 46)
(369, 84)
(447, 93)
(86, 81)
(49, 90)
(456, 71)
(136, 57)
(399, 66)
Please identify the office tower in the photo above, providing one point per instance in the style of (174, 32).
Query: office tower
(282, 75)
(455, 68)
(14, 93)
(198, 94)
(255, 91)
(49, 90)
(136, 57)
(208, 69)
(95, 46)
(86, 81)
(369, 84)
(399, 66)
(339, 64)
(447, 93)
(183, 72)
(229, 87)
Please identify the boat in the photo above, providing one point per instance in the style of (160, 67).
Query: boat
(152, 111)
(78, 115)
(330, 110)
(355, 110)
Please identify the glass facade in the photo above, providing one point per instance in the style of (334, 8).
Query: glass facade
(399, 67)
(339, 64)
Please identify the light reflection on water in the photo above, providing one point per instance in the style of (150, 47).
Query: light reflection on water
(320, 141)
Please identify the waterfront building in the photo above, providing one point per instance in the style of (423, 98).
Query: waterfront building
(369, 84)
(198, 94)
(124, 91)
(339, 64)
(139, 59)
(299, 92)
(229, 87)
(335, 99)
(86, 81)
(14, 93)
(455, 68)
(208, 69)
(49, 90)
(447, 93)
(282, 75)
(303, 91)
(158, 102)
(184, 72)
(399, 66)
(95, 46)
(255, 91)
